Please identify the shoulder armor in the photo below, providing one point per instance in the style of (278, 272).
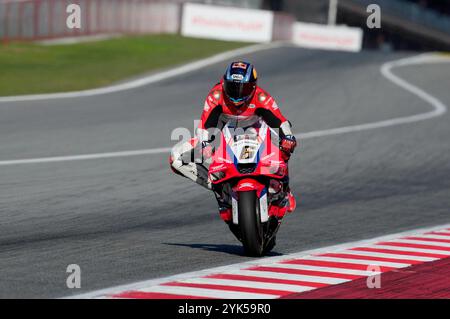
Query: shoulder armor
(262, 97)
(216, 94)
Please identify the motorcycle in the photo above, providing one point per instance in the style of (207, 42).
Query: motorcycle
(248, 168)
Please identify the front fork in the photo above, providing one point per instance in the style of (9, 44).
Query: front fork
(227, 197)
(270, 223)
(263, 206)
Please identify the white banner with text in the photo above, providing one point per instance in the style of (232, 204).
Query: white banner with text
(226, 23)
(327, 37)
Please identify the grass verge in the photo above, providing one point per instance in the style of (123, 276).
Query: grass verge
(30, 68)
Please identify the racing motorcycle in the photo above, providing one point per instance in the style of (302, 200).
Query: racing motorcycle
(247, 167)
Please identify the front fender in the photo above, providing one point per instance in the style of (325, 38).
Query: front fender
(248, 185)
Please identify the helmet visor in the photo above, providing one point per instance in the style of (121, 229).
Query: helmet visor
(238, 91)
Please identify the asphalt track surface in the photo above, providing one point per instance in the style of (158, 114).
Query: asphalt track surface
(128, 219)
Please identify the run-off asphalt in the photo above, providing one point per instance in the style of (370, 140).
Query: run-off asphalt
(129, 219)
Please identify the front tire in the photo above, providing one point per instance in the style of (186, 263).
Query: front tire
(250, 224)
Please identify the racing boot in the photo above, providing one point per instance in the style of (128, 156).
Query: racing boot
(292, 203)
(225, 214)
(225, 210)
(282, 206)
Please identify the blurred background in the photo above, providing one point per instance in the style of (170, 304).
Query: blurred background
(406, 24)
(139, 36)
(84, 176)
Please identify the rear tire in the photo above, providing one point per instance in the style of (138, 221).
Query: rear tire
(250, 224)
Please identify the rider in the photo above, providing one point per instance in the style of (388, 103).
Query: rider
(236, 94)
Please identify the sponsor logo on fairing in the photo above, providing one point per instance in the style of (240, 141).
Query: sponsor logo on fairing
(268, 156)
(245, 185)
(225, 160)
(272, 162)
(217, 168)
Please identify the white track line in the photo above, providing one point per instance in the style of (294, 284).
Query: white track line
(157, 77)
(248, 284)
(432, 236)
(210, 293)
(270, 262)
(439, 108)
(327, 269)
(413, 250)
(357, 261)
(85, 157)
(423, 242)
(442, 234)
(283, 275)
(385, 255)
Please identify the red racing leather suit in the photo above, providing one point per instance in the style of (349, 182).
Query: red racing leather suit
(261, 104)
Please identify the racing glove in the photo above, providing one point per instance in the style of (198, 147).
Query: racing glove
(287, 146)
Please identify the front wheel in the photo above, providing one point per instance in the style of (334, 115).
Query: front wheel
(250, 224)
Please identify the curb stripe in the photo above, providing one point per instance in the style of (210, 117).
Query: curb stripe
(295, 274)
(350, 256)
(334, 270)
(401, 252)
(321, 275)
(434, 236)
(291, 276)
(439, 233)
(231, 288)
(420, 246)
(337, 264)
(389, 255)
(248, 284)
(269, 288)
(269, 280)
(422, 242)
(411, 249)
(429, 239)
(211, 293)
(154, 295)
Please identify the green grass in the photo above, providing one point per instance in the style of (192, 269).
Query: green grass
(28, 68)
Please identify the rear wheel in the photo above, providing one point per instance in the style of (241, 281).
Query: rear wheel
(252, 234)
